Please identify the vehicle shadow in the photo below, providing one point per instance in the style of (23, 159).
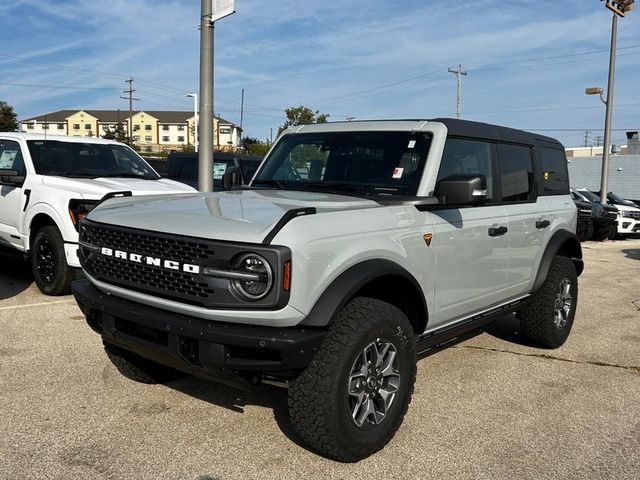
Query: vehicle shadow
(506, 328)
(15, 275)
(263, 395)
(633, 253)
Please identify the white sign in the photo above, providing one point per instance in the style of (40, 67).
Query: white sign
(221, 9)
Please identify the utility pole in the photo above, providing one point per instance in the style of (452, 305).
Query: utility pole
(241, 112)
(598, 140)
(586, 138)
(130, 91)
(458, 73)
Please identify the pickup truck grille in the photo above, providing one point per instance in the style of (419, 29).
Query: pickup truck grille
(172, 266)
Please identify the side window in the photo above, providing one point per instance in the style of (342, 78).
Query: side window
(468, 156)
(555, 177)
(516, 173)
(11, 156)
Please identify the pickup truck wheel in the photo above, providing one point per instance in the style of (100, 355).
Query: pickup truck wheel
(548, 318)
(48, 262)
(139, 369)
(352, 398)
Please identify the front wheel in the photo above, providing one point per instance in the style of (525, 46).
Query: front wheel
(352, 398)
(548, 318)
(48, 262)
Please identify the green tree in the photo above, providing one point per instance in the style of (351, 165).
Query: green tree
(8, 118)
(302, 116)
(253, 146)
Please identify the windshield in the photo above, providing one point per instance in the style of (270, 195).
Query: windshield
(357, 163)
(617, 199)
(88, 160)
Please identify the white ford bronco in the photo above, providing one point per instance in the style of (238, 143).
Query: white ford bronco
(48, 183)
(355, 246)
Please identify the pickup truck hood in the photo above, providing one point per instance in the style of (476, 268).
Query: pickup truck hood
(96, 188)
(626, 208)
(239, 216)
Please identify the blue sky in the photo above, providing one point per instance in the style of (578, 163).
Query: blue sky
(528, 62)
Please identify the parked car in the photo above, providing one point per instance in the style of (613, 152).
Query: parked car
(604, 216)
(584, 230)
(628, 214)
(183, 167)
(48, 185)
(356, 245)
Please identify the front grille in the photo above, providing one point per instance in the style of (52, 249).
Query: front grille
(160, 281)
(191, 256)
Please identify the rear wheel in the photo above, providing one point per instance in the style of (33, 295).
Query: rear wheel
(139, 369)
(48, 262)
(548, 318)
(352, 398)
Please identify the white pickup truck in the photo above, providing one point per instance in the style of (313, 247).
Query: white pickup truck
(49, 183)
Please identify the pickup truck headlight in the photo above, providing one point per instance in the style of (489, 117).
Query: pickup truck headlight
(254, 276)
(78, 210)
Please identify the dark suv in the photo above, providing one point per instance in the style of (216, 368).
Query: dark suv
(183, 167)
(603, 216)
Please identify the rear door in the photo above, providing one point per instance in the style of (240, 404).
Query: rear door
(471, 260)
(529, 222)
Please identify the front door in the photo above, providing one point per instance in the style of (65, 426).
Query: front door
(11, 196)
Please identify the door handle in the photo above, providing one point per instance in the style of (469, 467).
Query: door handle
(542, 223)
(497, 231)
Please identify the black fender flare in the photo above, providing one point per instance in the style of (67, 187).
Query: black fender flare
(562, 242)
(349, 282)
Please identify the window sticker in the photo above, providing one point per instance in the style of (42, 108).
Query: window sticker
(546, 175)
(412, 144)
(397, 173)
(7, 158)
(218, 170)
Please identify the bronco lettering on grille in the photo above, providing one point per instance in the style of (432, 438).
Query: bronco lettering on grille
(152, 261)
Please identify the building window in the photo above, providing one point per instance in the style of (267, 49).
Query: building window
(61, 126)
(76, 126)
(165, 139)
(181, 139)
(136, 128)
(147, 127)
(136, 138)
(181, 128)
(29, 126)
(147, 138)
(148, 149)
(225, 130)
(45, 127)
(165, 128)
(87, 127)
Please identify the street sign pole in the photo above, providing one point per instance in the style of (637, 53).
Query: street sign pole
(210, 12)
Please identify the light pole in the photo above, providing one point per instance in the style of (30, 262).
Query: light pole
(619, 8)
(195, 118)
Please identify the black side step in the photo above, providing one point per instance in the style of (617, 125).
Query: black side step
(432, 339)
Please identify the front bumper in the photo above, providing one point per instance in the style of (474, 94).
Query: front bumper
(628, 226)
(223, 352)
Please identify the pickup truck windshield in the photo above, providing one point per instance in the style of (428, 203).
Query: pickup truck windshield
(354, 163)
(88, 160)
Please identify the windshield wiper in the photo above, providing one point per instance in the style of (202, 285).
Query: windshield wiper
(272, 182)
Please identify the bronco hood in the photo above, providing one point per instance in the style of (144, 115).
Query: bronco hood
(240, 215)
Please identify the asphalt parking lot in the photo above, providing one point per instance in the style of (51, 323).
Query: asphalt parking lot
(486, 407)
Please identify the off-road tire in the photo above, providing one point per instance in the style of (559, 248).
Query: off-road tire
(55, 277)
(139, 369)
(537, 319)
(318, 398)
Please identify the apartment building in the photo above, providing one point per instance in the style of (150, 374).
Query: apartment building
(151, 131)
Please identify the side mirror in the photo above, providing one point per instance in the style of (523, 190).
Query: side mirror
(231, 178)
(11, 177)
(462, 189)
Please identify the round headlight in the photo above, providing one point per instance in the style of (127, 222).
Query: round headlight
(258, 276)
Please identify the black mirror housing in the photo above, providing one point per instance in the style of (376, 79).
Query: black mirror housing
(231, 178)
(462, 189)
